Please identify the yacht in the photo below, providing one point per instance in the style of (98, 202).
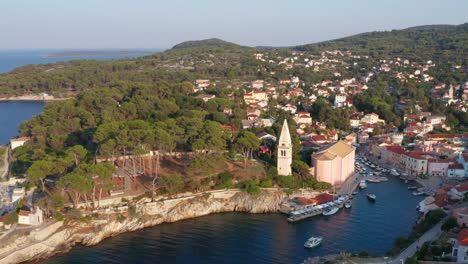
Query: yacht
(313, 242)
(331, 211)
(362, 184)
(394, 172)
(371, 196)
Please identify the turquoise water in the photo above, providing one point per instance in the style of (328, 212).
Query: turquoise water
(265, 238)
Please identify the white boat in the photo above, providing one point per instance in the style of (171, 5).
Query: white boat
(362, 184)
(394, 172)
(417, 193)
(412, 187)
(348, 204)
(371, 196)
(355, 192)
(313, 242)
(331, 211)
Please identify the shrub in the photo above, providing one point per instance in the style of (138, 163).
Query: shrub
(450, 223)
(266, 183)
(224, 180)
(322, 186)
(289, 182)
(251, 187)
(11, 218)
(172, 183)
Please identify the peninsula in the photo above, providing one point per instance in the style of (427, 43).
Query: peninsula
(211, 126)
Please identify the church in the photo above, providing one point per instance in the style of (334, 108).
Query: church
(284, 151)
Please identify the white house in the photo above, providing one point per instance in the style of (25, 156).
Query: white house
(18, 142)
(460, 249)
(26, 216)
(340, 99)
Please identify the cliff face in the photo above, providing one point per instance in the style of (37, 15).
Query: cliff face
(59, 238)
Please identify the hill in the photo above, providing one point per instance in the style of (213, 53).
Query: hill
(228, 62)
(213, 42)
(439, 42)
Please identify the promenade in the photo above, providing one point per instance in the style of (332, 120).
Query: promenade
(348, 187)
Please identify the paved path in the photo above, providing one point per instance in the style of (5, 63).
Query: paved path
(430, 235)
(4, 168)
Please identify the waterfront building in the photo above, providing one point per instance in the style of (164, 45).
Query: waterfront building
(461, 214)
(415, 163)
(284, 159)
(27, 216)
(460, 249)
(455, 171)
(439, 167)
(334, 164)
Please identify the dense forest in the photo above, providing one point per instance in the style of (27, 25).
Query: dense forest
(229, 62)
(442, 43)
(133, 106)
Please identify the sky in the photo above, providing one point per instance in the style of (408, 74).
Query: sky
(99, 24)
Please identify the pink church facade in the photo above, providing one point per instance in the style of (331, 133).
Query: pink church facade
(334, 164)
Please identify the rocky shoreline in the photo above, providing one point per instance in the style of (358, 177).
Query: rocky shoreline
(59, 238)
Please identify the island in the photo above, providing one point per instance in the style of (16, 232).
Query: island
(211, 126)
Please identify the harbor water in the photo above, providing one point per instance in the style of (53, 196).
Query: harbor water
(264, 238)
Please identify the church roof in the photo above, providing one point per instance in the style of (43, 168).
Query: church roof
(340, 148)
(285, 137)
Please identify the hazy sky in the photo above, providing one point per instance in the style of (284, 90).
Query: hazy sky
(161, 24)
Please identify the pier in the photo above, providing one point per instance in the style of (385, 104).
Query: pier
(307, 212)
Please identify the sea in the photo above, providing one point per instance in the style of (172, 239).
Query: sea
(235, 237)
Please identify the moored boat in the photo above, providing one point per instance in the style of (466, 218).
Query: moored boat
(418, 193)
(371, 196)
(331, 211)
(412, 187)
(313, 242)
(362, 184)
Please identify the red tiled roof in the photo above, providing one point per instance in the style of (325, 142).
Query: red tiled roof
(395, 149)
(24, 213)
(323, 198)
(462, 188)
(463, 237)
(455, 167)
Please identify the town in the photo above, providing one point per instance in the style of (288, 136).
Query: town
(314, 125)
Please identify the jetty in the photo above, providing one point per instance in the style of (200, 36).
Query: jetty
(314, 210)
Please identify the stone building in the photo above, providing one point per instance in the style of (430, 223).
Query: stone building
(284, 151)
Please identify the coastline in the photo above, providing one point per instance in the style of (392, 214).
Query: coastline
(33, 98)
(58, 237)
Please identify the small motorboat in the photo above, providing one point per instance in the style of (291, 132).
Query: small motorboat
(406, 181)
(348, 204)
(313, 242)
(362, 184)
(412, 187)
(331, 211)
(418, 193)
(355, 192)
(371, 196)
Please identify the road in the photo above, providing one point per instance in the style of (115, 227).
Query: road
(430, 235)
(4, 168)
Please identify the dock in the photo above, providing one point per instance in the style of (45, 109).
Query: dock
(307, 212)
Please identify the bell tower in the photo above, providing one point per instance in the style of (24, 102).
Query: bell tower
(284, 151)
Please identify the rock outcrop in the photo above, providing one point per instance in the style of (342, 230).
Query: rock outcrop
(59, 238)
